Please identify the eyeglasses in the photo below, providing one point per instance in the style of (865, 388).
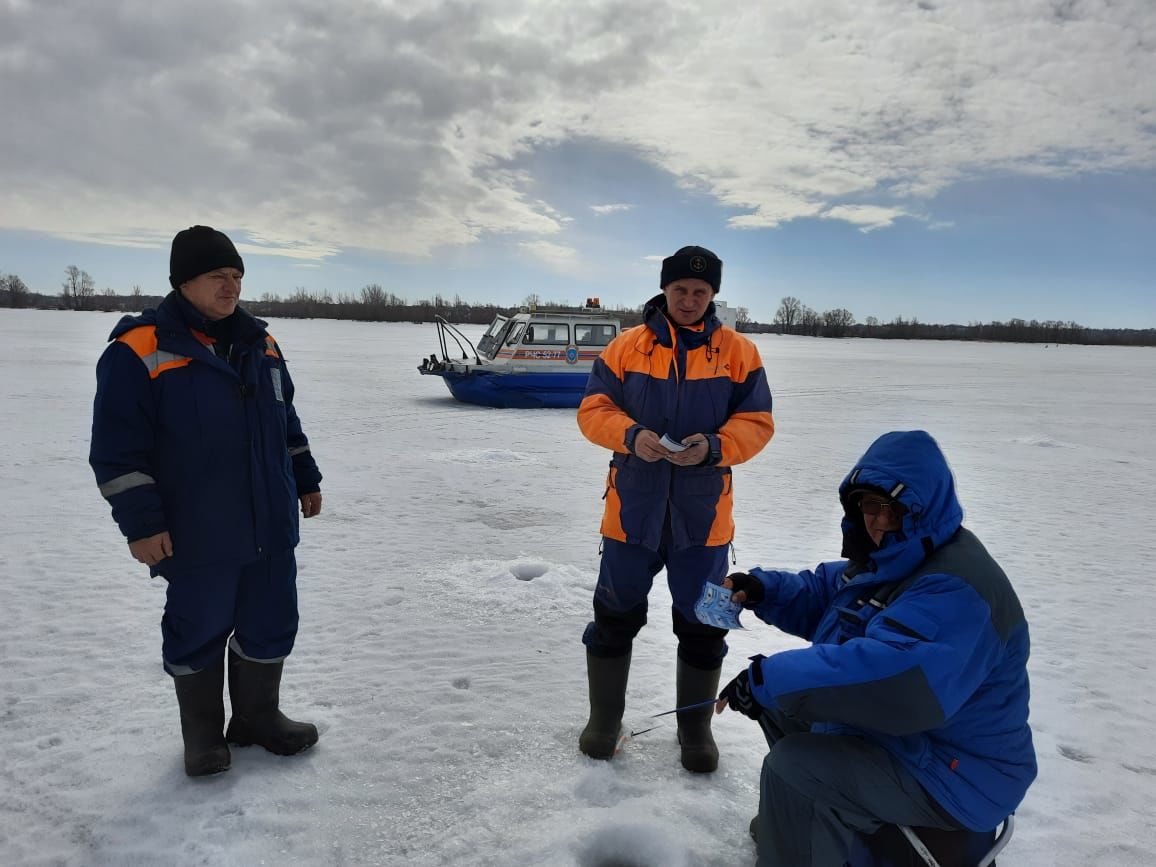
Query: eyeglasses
(876, 507)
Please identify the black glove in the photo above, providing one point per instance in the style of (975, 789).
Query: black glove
(738, 692)
(750, 585)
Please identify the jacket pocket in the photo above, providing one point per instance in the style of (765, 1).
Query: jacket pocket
(700, 497)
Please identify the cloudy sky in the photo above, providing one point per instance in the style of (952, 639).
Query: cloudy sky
(954, 161)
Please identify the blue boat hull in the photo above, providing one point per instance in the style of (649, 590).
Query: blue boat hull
(561, 390)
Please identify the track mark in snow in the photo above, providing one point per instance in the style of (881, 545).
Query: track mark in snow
(1042, 441)
(484, 456)
(1138, 769)
(1075, 755)
(460, 683)
(602, 786)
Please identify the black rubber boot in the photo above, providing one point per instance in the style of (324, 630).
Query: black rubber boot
(699, 753)
(254, 690)
(607, 679)
(200, 696)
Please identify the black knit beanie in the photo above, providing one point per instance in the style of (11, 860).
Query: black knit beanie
(692, 262)
(199, 249)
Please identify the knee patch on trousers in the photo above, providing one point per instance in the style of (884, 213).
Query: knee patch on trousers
(699, 645)
(611, 633)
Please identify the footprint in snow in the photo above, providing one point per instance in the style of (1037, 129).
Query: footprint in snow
(1076, 755)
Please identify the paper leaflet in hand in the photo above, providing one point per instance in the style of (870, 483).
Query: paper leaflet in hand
(671, 445)
(715, 608)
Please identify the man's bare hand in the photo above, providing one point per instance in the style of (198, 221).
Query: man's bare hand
(694, 454)
(310, 504)
(646, 446)
(153, 549)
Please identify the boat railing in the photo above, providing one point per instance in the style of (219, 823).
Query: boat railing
(447, 331)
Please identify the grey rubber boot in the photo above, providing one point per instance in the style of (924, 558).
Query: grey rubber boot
(699, 752)
(202, 703)
(607, 679)
(254, 690)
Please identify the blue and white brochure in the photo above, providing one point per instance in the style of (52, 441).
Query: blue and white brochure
(715, 608)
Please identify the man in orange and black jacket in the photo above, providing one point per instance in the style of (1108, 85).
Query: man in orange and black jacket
(685, 376)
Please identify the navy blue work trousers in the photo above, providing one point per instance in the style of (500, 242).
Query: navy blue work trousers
(255, 604)
(624, 581)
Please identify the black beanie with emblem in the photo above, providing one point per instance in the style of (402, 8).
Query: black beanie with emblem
(692, 262)
(199, 249)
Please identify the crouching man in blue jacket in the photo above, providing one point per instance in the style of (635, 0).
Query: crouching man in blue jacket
(910, 707)
(198, 449)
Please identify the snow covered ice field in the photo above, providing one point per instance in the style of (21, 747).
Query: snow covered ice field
(446, 584)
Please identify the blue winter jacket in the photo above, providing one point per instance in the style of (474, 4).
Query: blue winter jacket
(919, 645)
(186, 442)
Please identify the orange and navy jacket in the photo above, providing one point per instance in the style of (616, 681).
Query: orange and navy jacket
(677, 381)
(186, 442)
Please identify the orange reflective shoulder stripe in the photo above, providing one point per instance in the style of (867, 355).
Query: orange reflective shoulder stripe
(143, 342)
(271, 346)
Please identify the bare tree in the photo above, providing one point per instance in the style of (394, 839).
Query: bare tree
(78, 289)
(836, 322)
(15, 291)
(373, 295)
(788, 314)
(808, 321)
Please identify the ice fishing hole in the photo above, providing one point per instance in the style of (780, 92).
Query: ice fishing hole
(633, 845)
(528, 571)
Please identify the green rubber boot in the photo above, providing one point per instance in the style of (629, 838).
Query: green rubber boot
(607, 679)
(699, 752)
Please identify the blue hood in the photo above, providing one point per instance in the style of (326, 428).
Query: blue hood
(908, 466)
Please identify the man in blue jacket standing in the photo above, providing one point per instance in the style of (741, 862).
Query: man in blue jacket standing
(910, 707)
(199, 451)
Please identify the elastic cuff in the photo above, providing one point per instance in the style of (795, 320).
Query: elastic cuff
(631, 433)
(714, 452)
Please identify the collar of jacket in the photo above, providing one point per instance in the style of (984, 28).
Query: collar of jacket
(176, 315)
(655, 318)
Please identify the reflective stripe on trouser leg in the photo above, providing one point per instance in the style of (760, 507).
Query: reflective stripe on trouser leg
(266, 617)
(198, 617)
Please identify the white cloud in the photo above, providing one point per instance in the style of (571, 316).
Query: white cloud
(602, 210)
(391, 125)
(559, 257)
(866, 217)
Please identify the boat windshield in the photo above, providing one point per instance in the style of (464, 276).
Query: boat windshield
(492, 339)
(515, 333)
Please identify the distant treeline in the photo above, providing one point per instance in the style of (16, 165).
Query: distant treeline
(795, 317)
(375, 304)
